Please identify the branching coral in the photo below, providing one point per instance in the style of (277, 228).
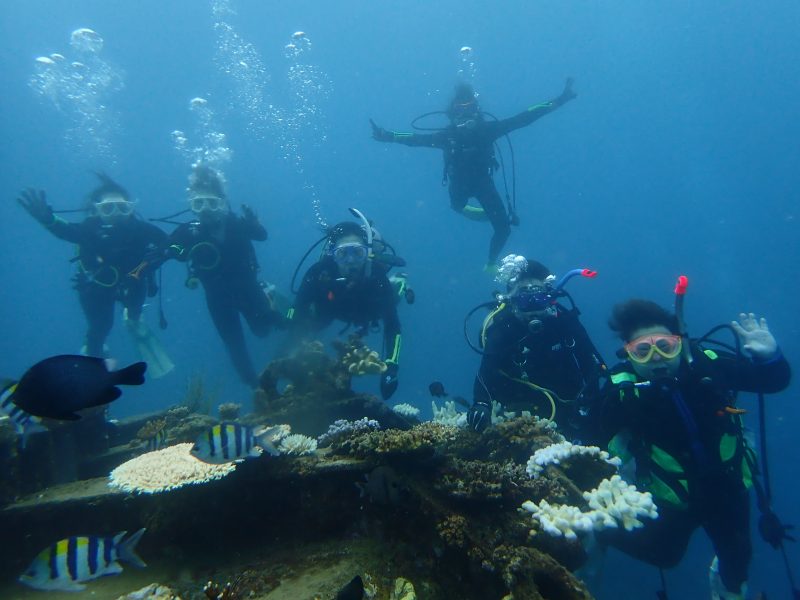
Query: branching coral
(357, 359)
(422, 439)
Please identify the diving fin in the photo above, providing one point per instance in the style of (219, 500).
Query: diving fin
(474, 213)
(149, 348)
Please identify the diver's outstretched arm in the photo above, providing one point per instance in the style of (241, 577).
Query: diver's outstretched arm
(426, 140)
(35, 203)
(534, 112)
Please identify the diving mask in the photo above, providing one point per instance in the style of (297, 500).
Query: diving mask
(641, 349)
(113, 208)
(200, 204)
(350, 254)
(532, 299)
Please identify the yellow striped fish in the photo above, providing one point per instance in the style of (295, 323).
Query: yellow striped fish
(67, 563)
(228, 442)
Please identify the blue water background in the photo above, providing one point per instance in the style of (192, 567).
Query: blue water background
(679, 155)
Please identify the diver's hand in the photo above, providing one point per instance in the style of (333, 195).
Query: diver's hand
(35, 202)
(389, 380)
(249, 214)
(773, 531)
(479, 416)
(568, 93)
(379, 133)
(755, 337)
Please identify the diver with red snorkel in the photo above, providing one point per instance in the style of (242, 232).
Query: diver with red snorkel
(669, 412)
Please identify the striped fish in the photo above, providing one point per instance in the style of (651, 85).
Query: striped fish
(156, 441)
(67, 563)
(228, 442)
(24, 423)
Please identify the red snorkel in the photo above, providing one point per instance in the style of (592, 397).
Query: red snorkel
(680, 294)
(573, 273)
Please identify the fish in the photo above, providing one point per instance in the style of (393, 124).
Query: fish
(59, 386)
(437, 391)
(66, 564)
(157, 441)
(354, 590)
(383, 486)
(24, 423)
(229, 442)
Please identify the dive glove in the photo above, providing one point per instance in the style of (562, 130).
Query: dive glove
(773, 531)
(35, 202)
(479, 416)
(379, 133)
(389, 380)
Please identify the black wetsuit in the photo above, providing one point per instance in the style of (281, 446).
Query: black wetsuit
(324, 296)
(107, 254)
(222, 258)
(469, 163)
(695, 465)
(520, 368)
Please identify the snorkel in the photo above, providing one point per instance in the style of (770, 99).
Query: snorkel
(368, 229)
(588, 273)
(681, 287)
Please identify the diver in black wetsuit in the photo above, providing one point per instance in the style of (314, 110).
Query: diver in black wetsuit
(218, 248)
(669, 413)
(469, 158)
(112, 241)
(537, 357)
(349, 283)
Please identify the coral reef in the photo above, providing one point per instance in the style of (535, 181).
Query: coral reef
(342, 428)
(165, 470)
(406, 410)
(154, 591)
(432, 511)
(153, 435)
(357, 359)
(229, 411)
(297, 444)
(310, 389)
(420, 440)
(613, 503)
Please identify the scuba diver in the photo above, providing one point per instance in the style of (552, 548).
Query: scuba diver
(468, 143)
(537, 356)
(668, 411)
(217, 246)
(349, 283)
(112, 243)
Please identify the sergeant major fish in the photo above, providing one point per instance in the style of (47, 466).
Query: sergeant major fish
(24, 423)
(66, 564)
(227, 442)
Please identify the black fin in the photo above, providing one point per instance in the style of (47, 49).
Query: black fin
(130, 375)
(354, 590)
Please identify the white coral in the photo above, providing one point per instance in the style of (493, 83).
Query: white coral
(297, 444)
(613, 503)
(621, 502)
(554, 454)
(406, 410)
(448, 415)
(165, 470)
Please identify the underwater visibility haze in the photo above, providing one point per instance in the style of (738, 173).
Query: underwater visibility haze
(678, 155)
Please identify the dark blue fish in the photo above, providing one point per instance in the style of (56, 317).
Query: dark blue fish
(59, 386)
